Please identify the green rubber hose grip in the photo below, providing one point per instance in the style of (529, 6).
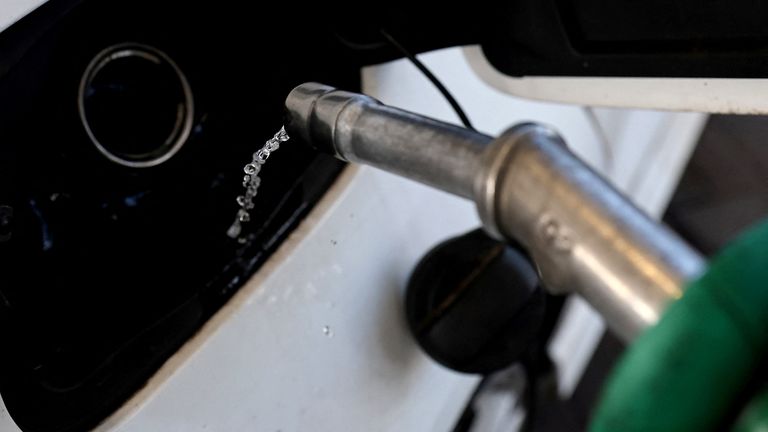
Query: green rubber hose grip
(682, 374)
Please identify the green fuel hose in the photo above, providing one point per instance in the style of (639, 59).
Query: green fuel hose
(683, 373)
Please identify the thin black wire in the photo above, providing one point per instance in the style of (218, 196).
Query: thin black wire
(432, 78)
(529, 394)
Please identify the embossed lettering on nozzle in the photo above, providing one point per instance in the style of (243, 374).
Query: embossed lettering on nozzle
(583, 234)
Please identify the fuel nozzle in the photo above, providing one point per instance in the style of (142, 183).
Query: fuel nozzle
(582, 234)
(358, 128)
(304, 119)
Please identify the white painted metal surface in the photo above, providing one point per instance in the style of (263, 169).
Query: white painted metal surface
(316, 340)
(12, 10)
(712, 95)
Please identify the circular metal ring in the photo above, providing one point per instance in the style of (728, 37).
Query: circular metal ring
(110, 58)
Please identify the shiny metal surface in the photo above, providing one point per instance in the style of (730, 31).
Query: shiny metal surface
(182, 128)
(582, 233)
(363, 130)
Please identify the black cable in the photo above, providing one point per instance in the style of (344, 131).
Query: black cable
(529, 397)
(432, 78)
(529, 393)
